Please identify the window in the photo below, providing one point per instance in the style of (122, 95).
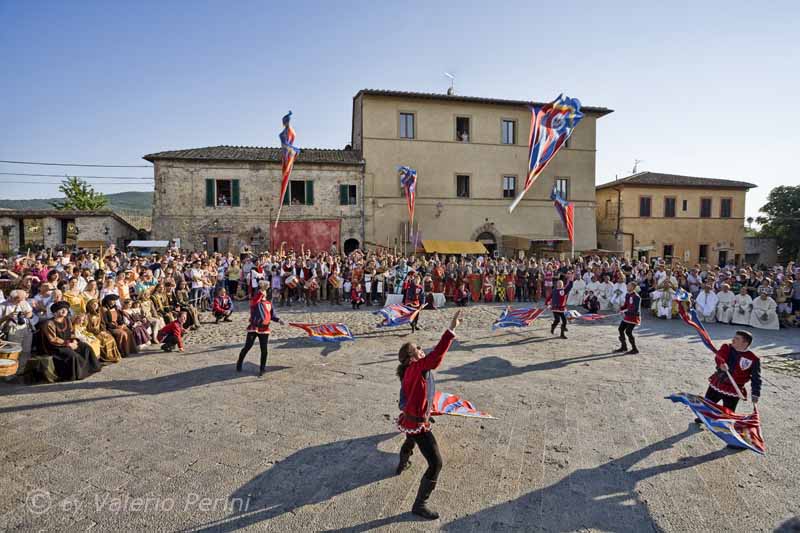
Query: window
(347, 195)
(299, 192)
(562, 186)
(462, 186)
(406, 125)
(509, 132)
(669, 207)
(608, 207)
(644, 206)
(725, 208)
(462, 129)
(703, 255)
(705, 207)
(667, 252)
(222, 193)
(685, 205)
(509, 186)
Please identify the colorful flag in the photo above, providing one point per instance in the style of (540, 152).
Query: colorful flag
(289, 153)
(692, 319)
(408, 180)
(551, 126)
(332, 332)
(589, 317)
(565, 210)
(517, 318)
(741, 431)
(396, 315)
(681, 295)
(450, 404)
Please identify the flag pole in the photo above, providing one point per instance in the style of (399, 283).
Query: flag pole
(516, 201)
(735, 386)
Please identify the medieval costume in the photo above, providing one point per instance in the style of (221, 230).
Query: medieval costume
(114, 323)
(558, 304)
(261, 314)
(109, 352)
(73, 359)
(743, 366)
(631, 317)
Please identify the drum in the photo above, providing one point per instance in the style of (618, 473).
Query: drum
(292, 281)
(10, 350)
(313, 285)
(8, 367)
(336, 282)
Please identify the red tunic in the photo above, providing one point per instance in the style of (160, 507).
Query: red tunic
(743, 366)
(261, 314)
(632, 309)
(415, 390)
(558, 301)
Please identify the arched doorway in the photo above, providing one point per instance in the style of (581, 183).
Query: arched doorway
(488, 241)
(350, 245)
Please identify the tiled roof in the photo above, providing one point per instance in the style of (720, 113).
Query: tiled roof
(601, 111)
(255, 153)
(657, 179)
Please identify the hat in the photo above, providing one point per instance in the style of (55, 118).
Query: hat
(56, 307)
(109, 298)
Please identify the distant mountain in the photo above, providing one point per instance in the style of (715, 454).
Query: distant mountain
(140, 202)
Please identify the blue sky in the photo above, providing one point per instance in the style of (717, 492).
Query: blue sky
(698, 88)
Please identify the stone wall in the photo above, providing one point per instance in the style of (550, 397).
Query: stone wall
(760, 251)
(180, 211)
(90, 228)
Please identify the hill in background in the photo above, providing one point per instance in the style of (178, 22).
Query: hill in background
(131, 201)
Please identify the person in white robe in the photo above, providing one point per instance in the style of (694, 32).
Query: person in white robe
(604, 294)
(764, 315)
(593, 286)
(742, 306)
(662, 300)
(725, 304)
(706, 304)
(617, 298)
(577, 292)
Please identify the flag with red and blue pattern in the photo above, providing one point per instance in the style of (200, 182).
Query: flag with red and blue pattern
(396, 315)
(741, 431)
(517, 318)
(333, 332)
(566, 211)
(551, 126)
(691, 319)
(450, 404)
(408, 181)
(588, 317)
(289, 153)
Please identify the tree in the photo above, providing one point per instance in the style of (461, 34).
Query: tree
(782, 220)
(79, 196)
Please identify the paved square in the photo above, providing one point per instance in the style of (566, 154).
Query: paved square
(584, 440)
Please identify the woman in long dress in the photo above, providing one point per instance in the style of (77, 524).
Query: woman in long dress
(72, 295)
(114, 323)
(94, 326)
(73, 359)
(83, 335)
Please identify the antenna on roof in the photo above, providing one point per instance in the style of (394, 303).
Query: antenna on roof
(636, 165)
(451, 90)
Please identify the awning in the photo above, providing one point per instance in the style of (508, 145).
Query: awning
(148, 244)
(454, 247)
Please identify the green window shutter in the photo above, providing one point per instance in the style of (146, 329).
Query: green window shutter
(235, 193)
(209, 193)
(287, 194)
(343, 194)
(309, 192)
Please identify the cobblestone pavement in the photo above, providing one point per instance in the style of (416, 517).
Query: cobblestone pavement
(583, 440)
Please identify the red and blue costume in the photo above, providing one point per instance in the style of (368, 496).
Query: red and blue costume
(743, 366)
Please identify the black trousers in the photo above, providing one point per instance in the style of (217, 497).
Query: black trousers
(626, 329)
(263, 343)
(728, 401)
(430, 451)
(170, 342)
(559, 316)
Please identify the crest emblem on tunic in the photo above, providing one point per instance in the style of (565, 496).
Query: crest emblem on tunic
(744, 364)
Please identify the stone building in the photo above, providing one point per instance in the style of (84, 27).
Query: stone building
(223, 198)
(696, 220)
(21, 229)
(471, 155)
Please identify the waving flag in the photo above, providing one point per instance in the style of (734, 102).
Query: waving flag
(565, 210)
(408, 180)
(517, 318)
(588, 317)
(450, 404)
(682, 296)
(742, 431)
(289, 153)
(551, 126)
(691, 319)
(326, 332)
(397, 315)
